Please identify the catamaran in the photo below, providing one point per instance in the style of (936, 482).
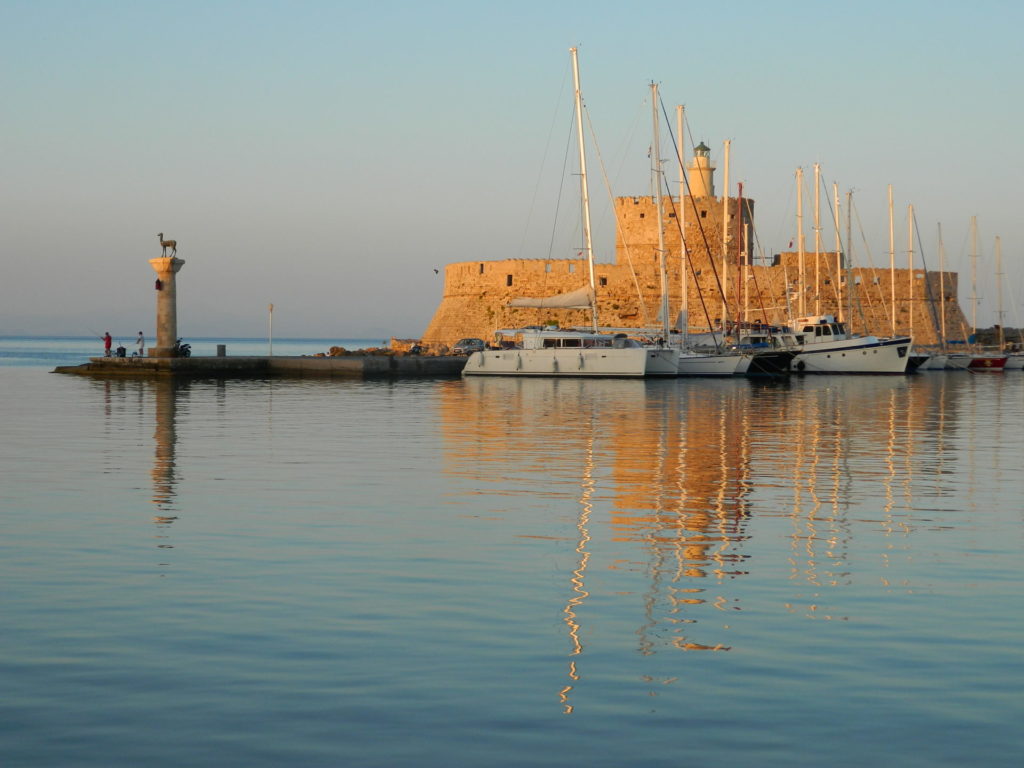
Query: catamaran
(537, 351)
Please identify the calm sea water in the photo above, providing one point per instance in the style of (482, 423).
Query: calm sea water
(824, 571)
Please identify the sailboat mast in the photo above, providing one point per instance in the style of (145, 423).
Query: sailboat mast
(910, 269)
(741, 254)
(839, 256)
(817, 239)
(747, 265)
(584, 192)
(974, 274)
(999, 290)
(684, 301)
(849, 257)
(725, 242)
(892, 265)
(656, 159)
(800, 237)
(942, 290)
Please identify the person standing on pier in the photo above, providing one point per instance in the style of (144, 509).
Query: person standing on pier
(140, 345)
(107, 340)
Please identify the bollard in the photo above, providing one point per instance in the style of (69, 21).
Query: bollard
(222, 350)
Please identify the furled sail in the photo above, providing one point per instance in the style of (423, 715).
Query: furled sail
(578, 299)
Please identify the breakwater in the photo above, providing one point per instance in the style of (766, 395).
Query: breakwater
(345, 367)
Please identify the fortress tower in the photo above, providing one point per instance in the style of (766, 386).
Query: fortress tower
(701, 173)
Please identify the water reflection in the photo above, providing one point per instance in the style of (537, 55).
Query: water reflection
(136, 403)
(671, 477)
(579, 593)
(165, 438)
(165, 393)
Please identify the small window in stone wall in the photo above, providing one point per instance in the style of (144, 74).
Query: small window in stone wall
(876, 281)
(642, 215)
(602, 281)
(481, 269)
(508, 279)
(572, 268)
(672, 214)
(856, 280)
(547, 267)
(703, 214)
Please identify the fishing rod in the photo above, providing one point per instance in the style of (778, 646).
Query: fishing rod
(115, 343)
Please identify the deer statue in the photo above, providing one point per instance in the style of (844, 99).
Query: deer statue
(172, 244)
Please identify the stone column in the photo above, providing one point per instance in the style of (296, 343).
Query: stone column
(166, 267)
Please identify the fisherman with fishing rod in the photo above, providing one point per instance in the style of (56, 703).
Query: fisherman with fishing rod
(108, 341)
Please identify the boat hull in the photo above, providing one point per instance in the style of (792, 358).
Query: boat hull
(861, 355)
(662, 361)
(694, 364)
(936, 362)
(770, 363)
(630, 362)
(977, 363)
(992, 363)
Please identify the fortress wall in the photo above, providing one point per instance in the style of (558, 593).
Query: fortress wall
(637, 235)
(476, 294)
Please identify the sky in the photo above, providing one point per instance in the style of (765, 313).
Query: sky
(327, 157)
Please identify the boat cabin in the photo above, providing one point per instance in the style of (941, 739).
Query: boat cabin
(820, 328)
(535, 337)
(769, 337)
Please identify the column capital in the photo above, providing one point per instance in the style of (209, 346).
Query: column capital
(164, 265)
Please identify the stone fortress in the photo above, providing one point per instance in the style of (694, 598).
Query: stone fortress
(477, 294)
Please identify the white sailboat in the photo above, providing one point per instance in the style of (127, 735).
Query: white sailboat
(537, 351)
(938, 359)
(663, 360)
(1014, 360)
(976, 361)
(691, 361)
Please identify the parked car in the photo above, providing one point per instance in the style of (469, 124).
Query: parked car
(468, 346)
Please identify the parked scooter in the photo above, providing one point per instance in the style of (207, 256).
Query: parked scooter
(182, 350)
